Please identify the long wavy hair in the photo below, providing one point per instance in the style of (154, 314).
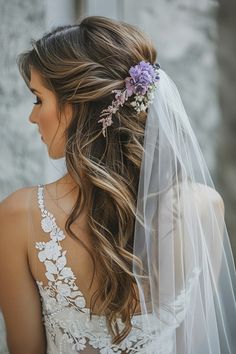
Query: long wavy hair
(82, 64)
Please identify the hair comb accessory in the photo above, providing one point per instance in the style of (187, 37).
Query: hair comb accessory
(141, 84)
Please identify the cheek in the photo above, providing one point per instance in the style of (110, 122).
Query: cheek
(48, 120)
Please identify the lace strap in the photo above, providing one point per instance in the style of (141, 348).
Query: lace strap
(41, 199)
(61, 279)
(48, 221)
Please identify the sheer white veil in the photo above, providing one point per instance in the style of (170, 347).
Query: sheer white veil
(187, 281)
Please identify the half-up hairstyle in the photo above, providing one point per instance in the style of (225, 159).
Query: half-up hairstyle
(82, 64)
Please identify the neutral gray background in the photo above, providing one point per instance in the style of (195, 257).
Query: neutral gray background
(196, 46)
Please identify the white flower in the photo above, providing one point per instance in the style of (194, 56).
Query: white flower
(51, 304)
(51, 251)
(50, 276)
(64, 289)
(80, 345)
(74, 328)
(66, 272)
(51, 268)
(40, 245)
(47, 224)
(76, 293)
(57, 234)
(80, 302)
(110, 350)
(65, 335)
(96, 342)
(62, 300)
(139, 98)
(70, 340)
(142, 107)
(61, 262)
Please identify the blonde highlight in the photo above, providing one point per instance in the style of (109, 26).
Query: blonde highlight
(82, 64)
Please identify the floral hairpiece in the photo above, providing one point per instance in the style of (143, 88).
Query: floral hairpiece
(141, 83)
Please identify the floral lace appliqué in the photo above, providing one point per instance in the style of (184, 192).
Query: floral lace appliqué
(65, 315)
(62, 294)
(61, 280)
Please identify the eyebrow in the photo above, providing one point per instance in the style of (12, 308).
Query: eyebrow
(33, 90)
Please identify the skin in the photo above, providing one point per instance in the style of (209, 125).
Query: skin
(46, 115)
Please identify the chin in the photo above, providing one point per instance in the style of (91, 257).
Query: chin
(56, 155)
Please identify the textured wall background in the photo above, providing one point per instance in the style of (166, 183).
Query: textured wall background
(185, 32)
(21, 151)
(226, 150)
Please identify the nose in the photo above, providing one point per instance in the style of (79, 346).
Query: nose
(32, 117)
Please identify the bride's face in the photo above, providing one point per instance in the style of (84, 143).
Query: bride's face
(45, 114)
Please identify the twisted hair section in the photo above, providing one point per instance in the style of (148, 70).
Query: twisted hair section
(82, 64)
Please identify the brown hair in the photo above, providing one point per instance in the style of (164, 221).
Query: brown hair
(82, 64)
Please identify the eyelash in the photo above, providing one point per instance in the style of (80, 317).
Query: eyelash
(38, 101)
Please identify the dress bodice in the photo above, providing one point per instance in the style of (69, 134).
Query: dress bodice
(69, 328)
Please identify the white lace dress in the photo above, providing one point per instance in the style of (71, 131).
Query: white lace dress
(69, 328)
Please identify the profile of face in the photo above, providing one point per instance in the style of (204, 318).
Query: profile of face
(46, 115)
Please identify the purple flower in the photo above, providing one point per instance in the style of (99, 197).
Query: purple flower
(120, 97)
(130, 86)
(141, 83)
(141, 77)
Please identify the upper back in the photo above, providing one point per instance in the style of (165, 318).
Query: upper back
(63, 271)
(56, 257)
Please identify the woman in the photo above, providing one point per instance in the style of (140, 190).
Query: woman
(120, 249)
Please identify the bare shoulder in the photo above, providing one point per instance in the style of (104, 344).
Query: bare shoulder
(201, 195)
(205, 194)
(16, 202)
(14, 215)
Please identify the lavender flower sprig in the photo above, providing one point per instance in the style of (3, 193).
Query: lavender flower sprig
(141, 84)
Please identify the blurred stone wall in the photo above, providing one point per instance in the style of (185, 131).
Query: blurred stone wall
(21, 151)
(226, 150)
(185, 34)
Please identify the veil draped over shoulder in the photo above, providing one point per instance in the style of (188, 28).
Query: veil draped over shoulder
(187, 279)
